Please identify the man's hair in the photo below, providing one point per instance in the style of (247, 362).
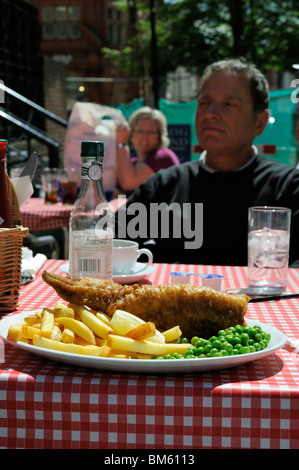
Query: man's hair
(259, 87)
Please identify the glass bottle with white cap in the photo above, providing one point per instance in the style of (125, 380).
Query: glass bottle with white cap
(91, 220)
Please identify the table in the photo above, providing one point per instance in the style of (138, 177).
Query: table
(48, 405)
(38, 216)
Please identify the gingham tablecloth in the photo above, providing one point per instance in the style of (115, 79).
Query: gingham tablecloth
(38, 216)
(46, 405)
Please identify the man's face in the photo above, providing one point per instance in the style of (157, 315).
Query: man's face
(225, 121)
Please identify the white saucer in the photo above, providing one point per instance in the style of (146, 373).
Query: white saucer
(135, 276)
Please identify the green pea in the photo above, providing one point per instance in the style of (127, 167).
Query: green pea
(258, 337)
(168, 356)
(199, 351)
(230, 338)
(222, 339)
(217, 344)
(244, 338)
(177, 355)
(221, 332)
(184, 341)
(213, 351)
(212, 339)
(269, 336)
(227, 346)
(236, 340)
(207, 348)
(251, 332)
(244, 350)
(189, 351)
(217, 354)
(231, 329)
(239, 329)
(224, 352)
(194, 339)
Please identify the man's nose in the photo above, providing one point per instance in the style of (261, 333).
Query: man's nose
(213, 109)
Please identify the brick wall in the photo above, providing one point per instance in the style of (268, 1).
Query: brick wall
(55, 99)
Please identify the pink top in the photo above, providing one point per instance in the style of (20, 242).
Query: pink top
(162, 158)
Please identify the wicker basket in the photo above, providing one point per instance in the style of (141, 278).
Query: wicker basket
(11, 243)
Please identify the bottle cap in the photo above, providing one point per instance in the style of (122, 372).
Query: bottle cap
(92, 149)
(3, 147)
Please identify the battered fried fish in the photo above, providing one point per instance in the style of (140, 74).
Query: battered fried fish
(198, 310)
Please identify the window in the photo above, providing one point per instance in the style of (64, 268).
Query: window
(60, 22)
(115, 27)
(48, 30)
(61, 31)
(60, 13)
(74, 31)
(73, 13)
(48, 14)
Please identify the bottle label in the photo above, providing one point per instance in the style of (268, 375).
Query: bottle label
(92, 254)
(91, 171)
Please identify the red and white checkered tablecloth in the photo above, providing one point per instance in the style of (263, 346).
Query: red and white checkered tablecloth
(48, 405)
(39, 217)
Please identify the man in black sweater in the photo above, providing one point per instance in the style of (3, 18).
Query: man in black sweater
(197, 212)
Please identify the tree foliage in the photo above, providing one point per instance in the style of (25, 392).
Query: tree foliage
(194, 33)
(200, 32)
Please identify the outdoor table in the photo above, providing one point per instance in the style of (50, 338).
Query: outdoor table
(39, 216)
(49, 405)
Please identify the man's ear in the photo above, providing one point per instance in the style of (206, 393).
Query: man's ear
(261, 122)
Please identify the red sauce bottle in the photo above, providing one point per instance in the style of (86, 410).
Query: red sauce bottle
(6, 220)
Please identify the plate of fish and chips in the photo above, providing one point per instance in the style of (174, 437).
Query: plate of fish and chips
(118, 332)
(145, 366)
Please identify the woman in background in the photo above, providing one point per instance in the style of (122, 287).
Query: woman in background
(147, 134)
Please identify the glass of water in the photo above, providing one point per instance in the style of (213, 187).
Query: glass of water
(268, 248)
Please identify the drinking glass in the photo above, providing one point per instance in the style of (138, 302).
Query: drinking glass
(268, 247)
(49, 179)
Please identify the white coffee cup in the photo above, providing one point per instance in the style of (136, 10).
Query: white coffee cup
(125, 256)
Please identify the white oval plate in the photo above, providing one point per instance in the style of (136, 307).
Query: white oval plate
(148, 366)
(137, 275)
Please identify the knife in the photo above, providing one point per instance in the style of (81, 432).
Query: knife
(30, 167)
(273, 297)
